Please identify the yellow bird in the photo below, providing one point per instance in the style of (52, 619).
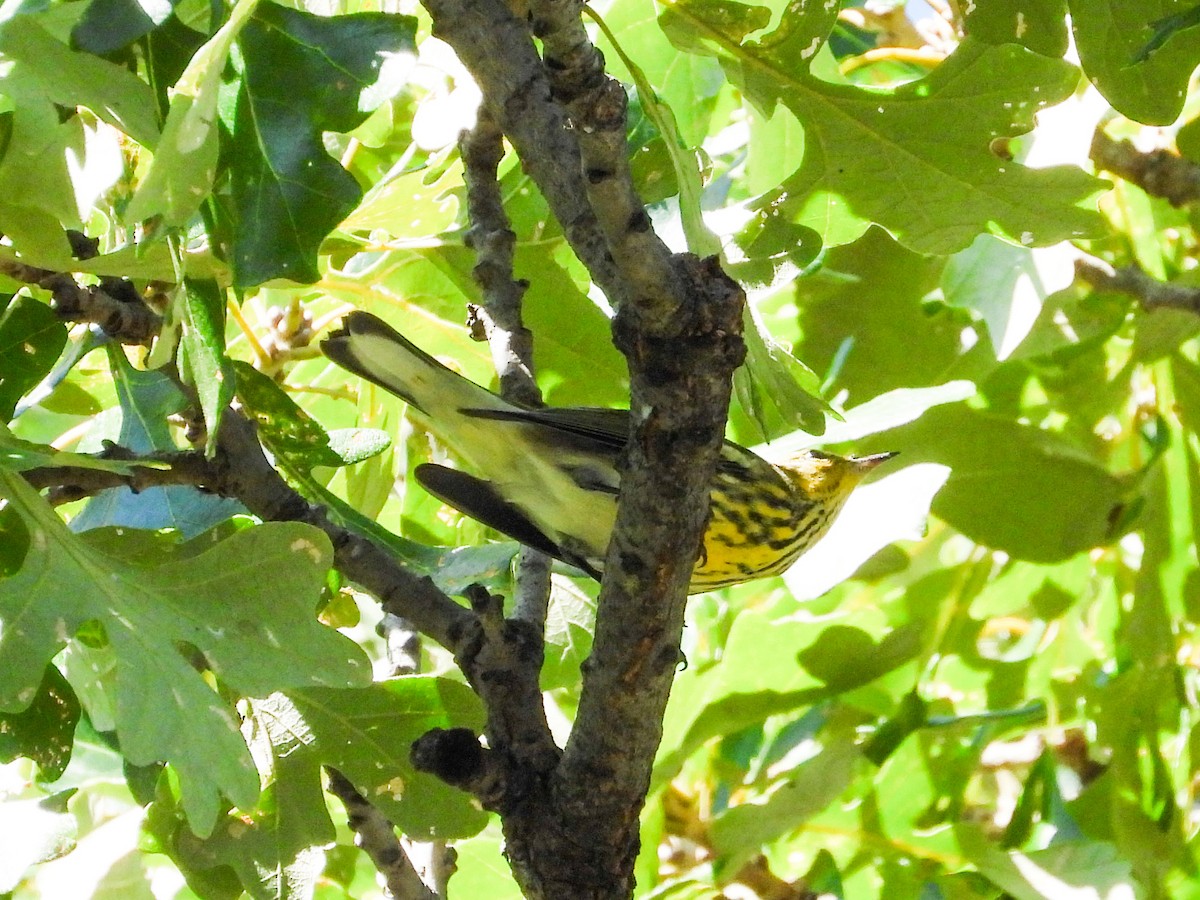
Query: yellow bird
(548, 477)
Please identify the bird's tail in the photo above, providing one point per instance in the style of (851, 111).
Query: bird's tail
(369, 347)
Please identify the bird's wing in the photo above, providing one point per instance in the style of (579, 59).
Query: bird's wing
(608, 429)
(482, 502)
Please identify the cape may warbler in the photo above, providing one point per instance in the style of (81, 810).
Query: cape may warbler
(548, 477)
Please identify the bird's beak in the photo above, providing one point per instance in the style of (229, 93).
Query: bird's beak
(867, 463)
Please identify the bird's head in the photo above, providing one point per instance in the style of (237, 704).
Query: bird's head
(823, 474)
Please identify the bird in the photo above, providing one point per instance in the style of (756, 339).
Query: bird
(549, 477)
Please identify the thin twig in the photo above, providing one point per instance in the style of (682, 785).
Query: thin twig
(1150, 292)
(498, 51)
(434, 859)
(492, 239)
(437, 861)
(377, 838)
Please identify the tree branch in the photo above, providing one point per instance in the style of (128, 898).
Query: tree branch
(1159, 173)
(113, 304)
(502, 658)
(70, 483)
(263, 491)
(241, 470)
(597, 105)
(574, 831)
(680, 385)
(505, 662)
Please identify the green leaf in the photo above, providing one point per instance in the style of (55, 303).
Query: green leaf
(184, 167)
(809, 788)
(912, 713)
(758, 677)
(482, 870)
(366, 734)
(1036, 794)
(369, 485)
(31, 338)
(108, 25)
(283, 426)
(1162, 331)
(1187, 140)
(770, 252)
(354, 445)
(653, 159)
(165, 829)
(773, 147)
(204, 362)
(844, 656)
(1025, 588)
(1168, 522)
(34, 166)
(1003, 472)
(276, 848)
(1085, 868)
(453, 569)
(14, 541)
(771, 374)
(1142, 71)
(570, 622)
(872, 156)
(879, 414)
(66, 78)
(150, 262)
(708, 26)
(69, 398)
(257, 634)
(303, 75)
(1007, 285)
(146, 400)
(824, 878)
(1186, 378)
(1166, 28)
(1072, 323)
(45, 731)
(1039, 25)
(418, 202)
(864, 323)
(35, 232)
